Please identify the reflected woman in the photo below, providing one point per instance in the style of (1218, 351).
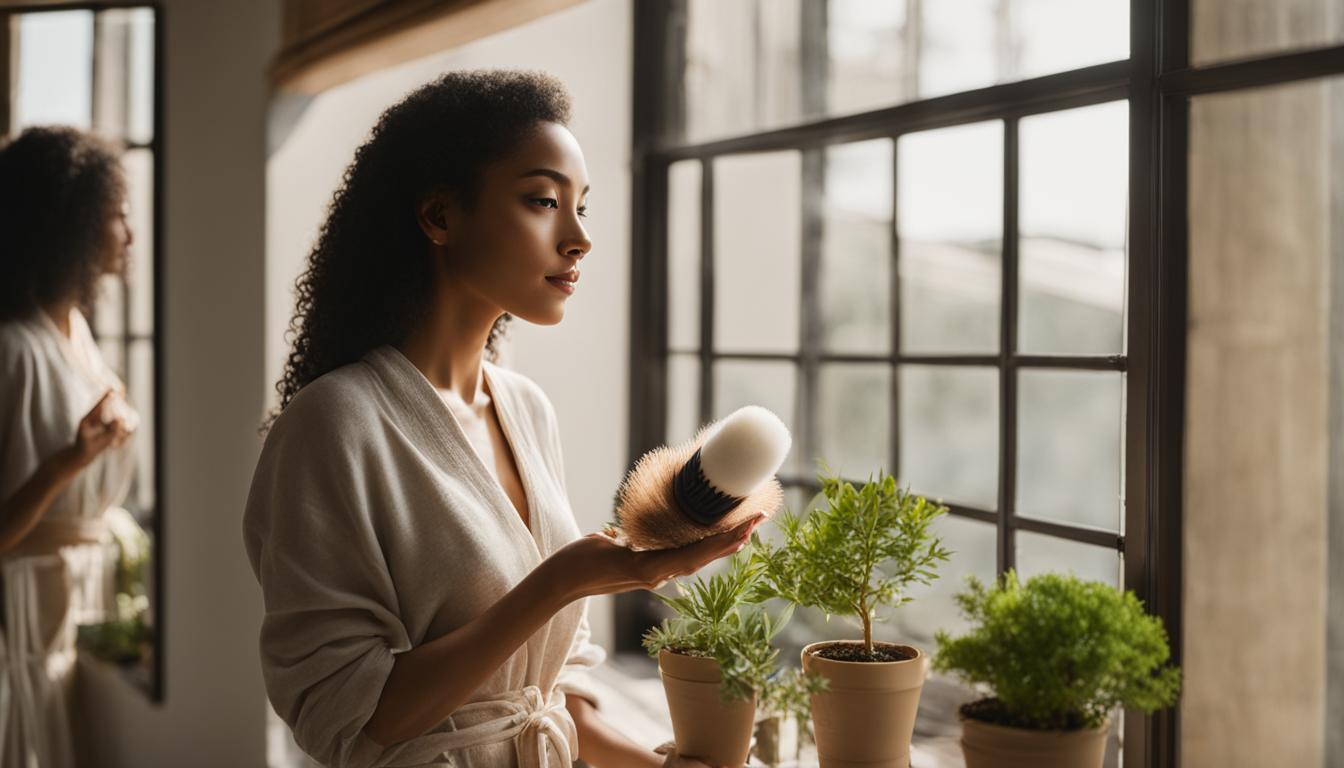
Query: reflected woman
(65, 452)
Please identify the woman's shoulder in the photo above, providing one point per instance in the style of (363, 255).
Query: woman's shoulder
(336, 405)
(18, 346)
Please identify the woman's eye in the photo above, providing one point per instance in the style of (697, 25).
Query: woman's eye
(584, 211)
(546, 202)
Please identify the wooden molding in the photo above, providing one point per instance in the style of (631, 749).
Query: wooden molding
(330, 42)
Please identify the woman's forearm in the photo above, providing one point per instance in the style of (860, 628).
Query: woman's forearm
(22, 510)
(601, 745)
(429, 683)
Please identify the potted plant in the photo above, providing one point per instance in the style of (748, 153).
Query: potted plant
(715, 658)
(858, 554)
(1059, 654)
(787, 699)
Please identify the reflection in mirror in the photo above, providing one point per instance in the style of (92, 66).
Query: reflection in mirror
(79, 488)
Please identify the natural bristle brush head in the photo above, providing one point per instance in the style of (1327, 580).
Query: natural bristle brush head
(723, 476)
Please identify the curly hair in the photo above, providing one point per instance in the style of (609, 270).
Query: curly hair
(57, 187)
(368, 279)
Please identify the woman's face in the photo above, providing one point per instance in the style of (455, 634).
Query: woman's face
(526, 229)
(116, 239)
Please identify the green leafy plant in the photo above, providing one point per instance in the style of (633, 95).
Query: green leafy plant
(715, 620)
(788, 693)
(860, 553)
(125, 638)
(1059, 653)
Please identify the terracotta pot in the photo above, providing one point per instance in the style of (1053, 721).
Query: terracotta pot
(703, 725)
(986, 745)
(866, 718)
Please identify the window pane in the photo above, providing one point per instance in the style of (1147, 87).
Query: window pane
(683, 254)
(854, 418)
(55, 69)
(139, 165)
(973, 545)
(950, 433)
(950, 222)
(140, 388)
(769, 384)
(1074, 195)
(744, 59)
(1237, 29)
(1037, 553)
(856, 248)
(113, 350)
(124, 75)
(742, 66)
(1068, 446)
(757, 268)
(683, 397)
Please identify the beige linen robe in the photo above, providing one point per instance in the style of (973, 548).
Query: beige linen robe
(63, 573)
(373, 526)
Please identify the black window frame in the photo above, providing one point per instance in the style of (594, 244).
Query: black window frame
(1158, 81)
(152, 686)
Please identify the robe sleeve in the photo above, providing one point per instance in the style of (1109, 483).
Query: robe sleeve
(19, 408)
(584, 654)
(331, 622)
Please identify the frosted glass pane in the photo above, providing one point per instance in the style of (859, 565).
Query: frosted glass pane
(1068, 446)
(855, 279)
(1073, 208)
(974, 550)
(1240, 29)
(950, 433)
(139, 165)
(1041, 554)
(757, 267)
(55, 69)
(950, 224)
(683, 254)
(140, 388)
(854, 418)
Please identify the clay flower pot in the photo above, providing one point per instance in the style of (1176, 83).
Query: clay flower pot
(867, 716)
(703, 725)
(986, 745)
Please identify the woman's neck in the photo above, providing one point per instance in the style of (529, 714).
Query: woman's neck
(449, 345)
(60, 315)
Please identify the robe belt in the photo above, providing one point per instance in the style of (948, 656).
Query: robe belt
(48, 536)
(525, 716)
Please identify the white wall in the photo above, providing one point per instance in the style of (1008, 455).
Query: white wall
(582, 362)
(215, 154)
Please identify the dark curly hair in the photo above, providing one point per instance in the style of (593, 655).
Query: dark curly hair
(57, 187)
(368, 280)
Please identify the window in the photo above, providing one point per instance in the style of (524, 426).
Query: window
(96, 69)
(949, 240)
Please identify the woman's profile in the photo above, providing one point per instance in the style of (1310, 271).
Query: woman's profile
(66, 460)
(422, 571)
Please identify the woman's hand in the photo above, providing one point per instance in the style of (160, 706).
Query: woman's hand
(99, 430)
(597, 564)
(677, 761)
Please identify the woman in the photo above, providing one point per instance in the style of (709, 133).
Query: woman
(408, 522)
(65, 458)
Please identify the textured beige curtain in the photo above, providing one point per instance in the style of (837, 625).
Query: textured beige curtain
(329, 42)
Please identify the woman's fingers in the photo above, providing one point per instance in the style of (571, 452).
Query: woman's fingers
(95, 414)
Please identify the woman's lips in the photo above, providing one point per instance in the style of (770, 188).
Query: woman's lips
(561, 284)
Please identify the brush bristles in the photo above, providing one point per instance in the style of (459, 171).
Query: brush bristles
(647, 508)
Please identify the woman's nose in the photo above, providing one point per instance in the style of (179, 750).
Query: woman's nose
(576, 247)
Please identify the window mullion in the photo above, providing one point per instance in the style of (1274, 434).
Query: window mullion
(1007, 351)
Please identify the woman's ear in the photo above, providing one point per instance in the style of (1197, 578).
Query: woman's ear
(436, 217)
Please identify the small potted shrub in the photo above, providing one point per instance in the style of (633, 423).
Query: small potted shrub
(715, 658)
(860, 553)
(787, 698)
(1059, 654)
